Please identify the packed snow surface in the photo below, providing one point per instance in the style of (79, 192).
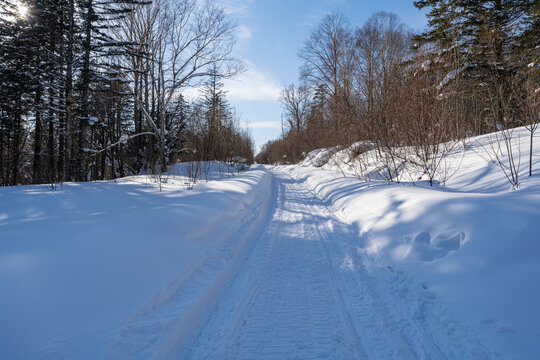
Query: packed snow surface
(288, 262)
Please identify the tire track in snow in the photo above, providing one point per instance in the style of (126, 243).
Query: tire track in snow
(371, 327)
(406, 311)
(293, 313)
(380, 335)
(171, 319)
(298, 288)
(245, 286)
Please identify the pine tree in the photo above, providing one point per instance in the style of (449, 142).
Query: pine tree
(478, 39)
(217, 114)
(18, 80)
(529, 39)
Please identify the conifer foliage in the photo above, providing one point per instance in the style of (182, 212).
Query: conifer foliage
(93, 89)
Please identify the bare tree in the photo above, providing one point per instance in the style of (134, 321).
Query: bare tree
(383, 45)
(502, 110)
(329, 64)
(428, 123)
(529, 109)
(182, 41)
(296, 103)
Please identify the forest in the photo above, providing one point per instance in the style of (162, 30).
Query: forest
(95, 89)
(393, 215)
(415, 96)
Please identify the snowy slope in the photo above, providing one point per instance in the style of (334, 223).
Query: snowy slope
(75, 264)
(475, 243)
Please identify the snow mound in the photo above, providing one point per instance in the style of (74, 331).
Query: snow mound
(336, 156)
(474, 241)
(318, 157)
(423, 247)
(205, 170)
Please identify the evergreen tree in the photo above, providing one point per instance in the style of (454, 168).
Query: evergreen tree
(18, 80)
(479, 39)
(72, 99)
(217, 114)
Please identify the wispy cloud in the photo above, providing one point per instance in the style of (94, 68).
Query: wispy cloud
(253, 85)
(263, 125)
(243, 32)
(238, 8)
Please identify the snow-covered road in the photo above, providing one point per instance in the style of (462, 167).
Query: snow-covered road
(294, 283)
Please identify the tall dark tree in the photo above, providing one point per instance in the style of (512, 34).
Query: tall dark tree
(92, 89)
(18, 80)
(481, 39)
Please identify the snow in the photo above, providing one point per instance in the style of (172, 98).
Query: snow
(474, 242)
(124, 138)
(449, 77)
(298, 261)
(320, 157)
(294, 285)
(76, 263)
(92, 120)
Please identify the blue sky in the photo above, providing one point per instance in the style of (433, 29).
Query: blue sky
(270, 33)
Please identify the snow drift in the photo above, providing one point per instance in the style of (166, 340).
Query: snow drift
(475, 242)
(76, 263)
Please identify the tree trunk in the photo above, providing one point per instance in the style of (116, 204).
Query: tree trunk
(50, 138)
(36, 167)
(85, 85)
(69, 92)
(17, 141)
(531, 153)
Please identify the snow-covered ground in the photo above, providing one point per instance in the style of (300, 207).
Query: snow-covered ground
(77, 263)
(474, 243)
(277, 262)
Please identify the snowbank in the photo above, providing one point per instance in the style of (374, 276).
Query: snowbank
(204, 170)
(474, 243)
(75, 264)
